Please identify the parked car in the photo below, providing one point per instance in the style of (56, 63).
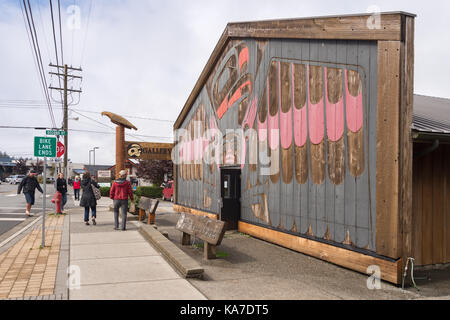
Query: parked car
(168, 191)
(16, 179)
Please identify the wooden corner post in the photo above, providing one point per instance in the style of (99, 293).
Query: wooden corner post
(394, 147)
(406, 143)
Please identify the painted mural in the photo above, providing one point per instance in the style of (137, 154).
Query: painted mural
(308, 122)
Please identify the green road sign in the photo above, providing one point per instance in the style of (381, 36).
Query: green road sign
(56, 133)
(44, 147)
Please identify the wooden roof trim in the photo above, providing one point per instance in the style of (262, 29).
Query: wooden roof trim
(346, 27)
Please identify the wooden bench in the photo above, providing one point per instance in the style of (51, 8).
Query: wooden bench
(202, 227)
(144, 206)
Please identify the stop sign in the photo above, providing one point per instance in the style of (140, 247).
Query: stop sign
(60, 150)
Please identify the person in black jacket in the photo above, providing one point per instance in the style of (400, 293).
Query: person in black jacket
(29, 185)
(88, 198)
(61, 187)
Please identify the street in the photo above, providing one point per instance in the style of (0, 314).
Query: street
(12, 206)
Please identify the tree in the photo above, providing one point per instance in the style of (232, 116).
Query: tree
(38, 166)
(154, 170)
(21, 166)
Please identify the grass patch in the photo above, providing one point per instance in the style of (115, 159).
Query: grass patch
(219, 254)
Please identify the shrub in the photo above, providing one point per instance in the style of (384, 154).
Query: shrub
(149, 192)
(105, 191)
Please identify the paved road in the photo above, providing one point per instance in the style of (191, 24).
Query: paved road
(12, 206)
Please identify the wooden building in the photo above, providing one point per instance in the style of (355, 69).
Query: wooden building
(316, 150)
(431, 181)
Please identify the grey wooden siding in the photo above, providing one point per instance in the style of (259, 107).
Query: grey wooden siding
(348, 207)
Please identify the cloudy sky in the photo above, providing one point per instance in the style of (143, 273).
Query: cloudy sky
(141, 59)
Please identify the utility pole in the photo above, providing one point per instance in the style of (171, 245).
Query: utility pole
(65, 90)
(66, 122)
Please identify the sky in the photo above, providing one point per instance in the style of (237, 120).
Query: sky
(142, 58)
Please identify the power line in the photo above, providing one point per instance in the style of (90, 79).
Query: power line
(32, 105)
(56, 46)
(81, 130)
(29, 21)
(60, 33)
(86, 34)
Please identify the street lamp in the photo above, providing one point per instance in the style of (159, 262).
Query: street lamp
(93, 150)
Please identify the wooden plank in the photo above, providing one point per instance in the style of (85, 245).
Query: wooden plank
(305, 201)
(447, 203)
(438, 208)
(339, 212)
(362, 182)
(373, 120)
(427, 215)
(387, 213)
(350, 181)
(344, 27)
(179, 209)
(417, 210)
(406, 121)
(390, 271)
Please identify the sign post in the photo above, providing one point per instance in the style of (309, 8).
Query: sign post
(44, 202)
(44, 147)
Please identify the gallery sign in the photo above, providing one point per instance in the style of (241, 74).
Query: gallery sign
(104, 174)
(148, 151)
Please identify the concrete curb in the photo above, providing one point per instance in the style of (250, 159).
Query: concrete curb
(185, 265)
(61, 288)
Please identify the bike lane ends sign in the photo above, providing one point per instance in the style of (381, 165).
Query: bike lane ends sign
(45, 147)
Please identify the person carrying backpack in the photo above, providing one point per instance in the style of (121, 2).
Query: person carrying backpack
(120, 192)
(29, 185)
(88, 199)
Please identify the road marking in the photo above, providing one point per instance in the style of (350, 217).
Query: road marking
(19, 208)
(12, 214)
(12, 219)
(20, 231)
(11, 195)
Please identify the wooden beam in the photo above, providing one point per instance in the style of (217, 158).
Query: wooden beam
(388, 231)
(405, 135)
(336, 28)
(179, 209)
(390, 271)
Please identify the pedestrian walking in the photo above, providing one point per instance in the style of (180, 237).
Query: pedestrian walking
(76, 188)
(120, 192)
(61, 187)
(29, 185)
(88, 198)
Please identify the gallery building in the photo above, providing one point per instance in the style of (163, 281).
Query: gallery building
(316, 143)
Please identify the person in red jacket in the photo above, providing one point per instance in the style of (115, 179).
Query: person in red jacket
(120, 192)
(76, 188)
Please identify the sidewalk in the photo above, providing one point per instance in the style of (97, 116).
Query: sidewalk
(109, 264)
(26, 269)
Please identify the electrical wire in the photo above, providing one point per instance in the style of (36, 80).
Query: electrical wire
(60, 33)
(86, 34)
(18, 104)
(56, 51)
(34, 44)
(82, 130)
